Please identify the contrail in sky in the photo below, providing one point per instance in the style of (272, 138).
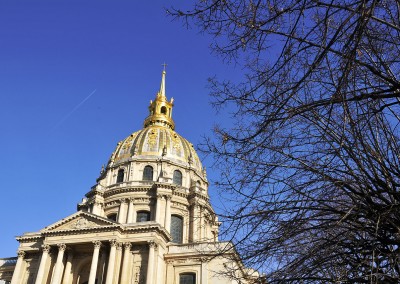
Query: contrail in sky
(74, 109)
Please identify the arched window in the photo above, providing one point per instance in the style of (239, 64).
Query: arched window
(120, 176)
(143, 216)
(177, 178)
(163, 110)
(176, 229)
(187, 278)
(148, 173)
(112, 216)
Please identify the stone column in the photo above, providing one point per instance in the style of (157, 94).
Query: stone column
(125, 263)
(16, 278)
(59, 263)
(122, 211)
(150, 264)
(68, 267)
(118, 263)
(167, 224)
(131, 211)
(95, 259)
(42, 265)
(111, 262)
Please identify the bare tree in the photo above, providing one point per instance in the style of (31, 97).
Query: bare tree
(312, 160)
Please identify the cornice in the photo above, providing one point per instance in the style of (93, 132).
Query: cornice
(29, 237)
(82, 231)
(115, 191)
(94, 192)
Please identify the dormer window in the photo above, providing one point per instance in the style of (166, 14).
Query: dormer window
(112, 216)
(177, 179)
(120, 176)
(143, 216)
(148, 173)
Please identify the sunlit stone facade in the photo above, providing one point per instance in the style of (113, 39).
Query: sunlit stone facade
(147, 220)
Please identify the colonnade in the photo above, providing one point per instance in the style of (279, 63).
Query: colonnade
(62, 267)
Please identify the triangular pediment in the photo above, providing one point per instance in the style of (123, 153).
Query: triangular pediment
(79, 221)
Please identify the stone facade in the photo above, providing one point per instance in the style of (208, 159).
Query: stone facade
(147, 220)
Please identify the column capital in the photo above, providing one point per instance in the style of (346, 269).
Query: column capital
(123, 201)
(160, 196)
(127, 246)
(97, 244)
(152, 244)
(61, 247)
(119, 246)
(168, 197)
(113, 242)
(131, 199)
(45, 248)
(21, 254)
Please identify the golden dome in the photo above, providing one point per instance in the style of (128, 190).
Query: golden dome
(158, 138)
(156, 141)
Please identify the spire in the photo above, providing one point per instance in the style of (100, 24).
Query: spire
(160, 110)
(161, 93)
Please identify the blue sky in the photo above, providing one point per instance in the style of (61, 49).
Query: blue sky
(76, 77)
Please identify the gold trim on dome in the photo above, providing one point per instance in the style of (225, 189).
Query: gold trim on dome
(153, 135)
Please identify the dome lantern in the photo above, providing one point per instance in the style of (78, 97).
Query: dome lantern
(160, 110)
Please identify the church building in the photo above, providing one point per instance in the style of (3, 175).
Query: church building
(147, 220)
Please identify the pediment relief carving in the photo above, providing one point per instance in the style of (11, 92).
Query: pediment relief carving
(78, 222)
